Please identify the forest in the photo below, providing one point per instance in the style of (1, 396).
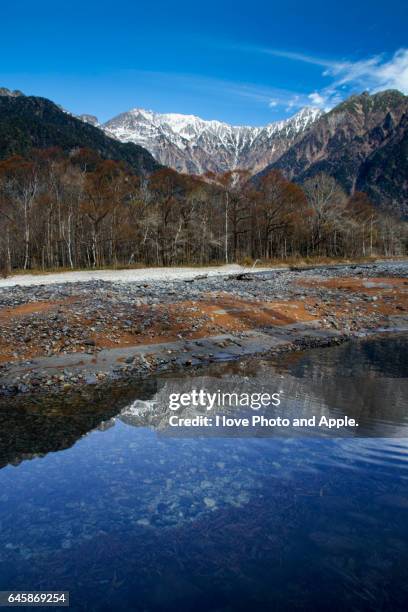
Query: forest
(77, 210)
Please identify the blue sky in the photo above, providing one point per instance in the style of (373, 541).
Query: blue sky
(243, 62)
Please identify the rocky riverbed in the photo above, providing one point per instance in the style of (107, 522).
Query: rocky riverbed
(62, 335)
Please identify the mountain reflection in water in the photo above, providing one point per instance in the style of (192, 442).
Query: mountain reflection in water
(129, 517)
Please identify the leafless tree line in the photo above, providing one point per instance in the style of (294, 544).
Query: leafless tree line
(79, 211)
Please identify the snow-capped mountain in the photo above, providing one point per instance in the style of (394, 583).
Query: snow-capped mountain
(190, 144)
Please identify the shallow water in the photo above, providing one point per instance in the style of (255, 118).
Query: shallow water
(98, 496)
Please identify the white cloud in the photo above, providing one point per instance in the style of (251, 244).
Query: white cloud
(273, 103)
(317, 99)
(373, 74)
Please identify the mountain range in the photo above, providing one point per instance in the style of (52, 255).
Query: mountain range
(362, 142)
(193, 145)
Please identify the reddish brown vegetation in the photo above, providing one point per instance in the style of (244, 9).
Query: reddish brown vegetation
(78, 210)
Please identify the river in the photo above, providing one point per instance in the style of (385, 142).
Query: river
(99, 496)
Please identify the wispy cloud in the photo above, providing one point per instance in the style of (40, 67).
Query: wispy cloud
(338, 79)
(299, 57)
(373, 74)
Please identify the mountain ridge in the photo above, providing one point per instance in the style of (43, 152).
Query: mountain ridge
(190, 144)
(28, 122)
(362, 143)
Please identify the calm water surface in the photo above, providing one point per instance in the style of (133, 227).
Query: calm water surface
(98, 497)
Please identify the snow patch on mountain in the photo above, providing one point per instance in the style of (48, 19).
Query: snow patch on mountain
(191, 144)
(91, 119)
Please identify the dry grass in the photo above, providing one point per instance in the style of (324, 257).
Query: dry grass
(246, 261)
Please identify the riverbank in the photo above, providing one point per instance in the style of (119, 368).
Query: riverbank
(132, 275)
(62, 335)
